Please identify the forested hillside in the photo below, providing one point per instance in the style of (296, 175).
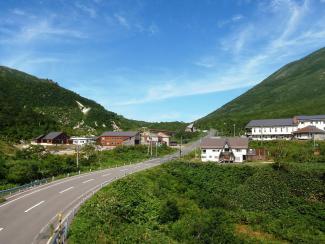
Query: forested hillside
(30, 106)
(297, 88)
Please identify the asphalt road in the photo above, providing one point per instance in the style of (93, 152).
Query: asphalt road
(25, 214)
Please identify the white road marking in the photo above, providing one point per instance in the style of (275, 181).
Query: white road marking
(1, 229)
(106, 174)
(123, 170)
(66, 189)
(87, 181)
(34, 206)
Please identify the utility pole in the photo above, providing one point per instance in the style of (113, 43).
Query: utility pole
(180, 147)
(151, 147)
(234, 130)
(77, 156)
(156, 149)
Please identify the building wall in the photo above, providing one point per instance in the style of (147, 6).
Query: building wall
(308, 136)
(82, 141)
(116, 140)
(60, 139)
(212, 155)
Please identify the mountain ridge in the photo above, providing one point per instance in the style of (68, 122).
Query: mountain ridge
(30, 106)
(296, 88)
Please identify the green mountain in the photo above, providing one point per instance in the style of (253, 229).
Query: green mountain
(30, 106)
(295, 89)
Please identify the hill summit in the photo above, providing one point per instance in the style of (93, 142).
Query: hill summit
(295, 89)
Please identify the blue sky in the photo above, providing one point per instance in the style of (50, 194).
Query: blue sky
(158, 60)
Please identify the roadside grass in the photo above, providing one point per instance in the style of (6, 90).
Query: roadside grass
(28, 166)
(2, 200)
(184, 202)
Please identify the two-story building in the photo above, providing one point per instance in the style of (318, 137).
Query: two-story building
(223, 150)
(299, 127)
(155, 136)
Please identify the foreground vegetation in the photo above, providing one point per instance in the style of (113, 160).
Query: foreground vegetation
(35, 162)
(183, 202)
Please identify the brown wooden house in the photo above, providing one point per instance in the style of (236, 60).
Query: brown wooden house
(53, 138)
(117, 138)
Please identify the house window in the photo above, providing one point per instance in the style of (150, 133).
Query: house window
(213, 150)
(276, 130)
(238, 150)
(270, 129)
(204, 151)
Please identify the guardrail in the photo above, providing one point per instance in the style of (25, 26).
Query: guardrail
(51, 235)
(23, 187)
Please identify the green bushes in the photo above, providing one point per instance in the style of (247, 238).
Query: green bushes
(35, 162)
(204, 203)
(292, 151)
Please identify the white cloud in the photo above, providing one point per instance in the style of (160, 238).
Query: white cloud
(250, 62)
(41, 30)
(18, 12)
(89, 10)
(122, 20)
(233, 19)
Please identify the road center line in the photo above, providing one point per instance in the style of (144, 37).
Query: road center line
(34, 206)
(87, 181)
(1, 229)
(106, 174)
(66, 189)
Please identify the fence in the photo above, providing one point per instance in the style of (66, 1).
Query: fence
(58, 235)
(23, 187)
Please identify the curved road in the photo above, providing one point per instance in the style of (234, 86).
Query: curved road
(25, 214)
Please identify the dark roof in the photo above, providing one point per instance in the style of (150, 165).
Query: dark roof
(52, 135)
(39, 137)
(270, 122)
(310, 117)
(120, 133)
(309, 129)
(233, 142)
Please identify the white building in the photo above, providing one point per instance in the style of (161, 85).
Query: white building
(233, 149)
(309, 132)
(190, 128)
(273, 129)
(155, 136)
(83, 140)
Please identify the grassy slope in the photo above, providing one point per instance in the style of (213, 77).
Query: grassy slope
(297, 88)
(207, 203)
